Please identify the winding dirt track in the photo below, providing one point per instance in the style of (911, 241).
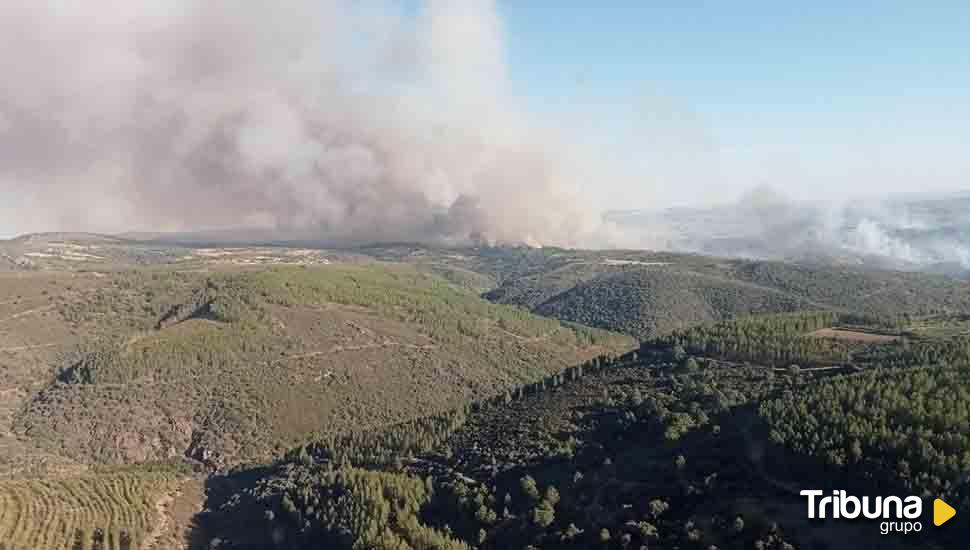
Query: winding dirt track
(26, 313)
(519, 337)
(26, 348)
(360, 347)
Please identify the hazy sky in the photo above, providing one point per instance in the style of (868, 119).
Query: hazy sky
(708, 98)
(508, 118)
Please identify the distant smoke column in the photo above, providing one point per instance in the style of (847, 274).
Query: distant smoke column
(334, 119)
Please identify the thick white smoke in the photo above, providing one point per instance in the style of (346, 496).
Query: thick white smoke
(920, 231)
(328, 119)
(869, 237)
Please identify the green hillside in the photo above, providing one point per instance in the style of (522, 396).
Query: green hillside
(376, 398)
(646, 302)
(252, 362)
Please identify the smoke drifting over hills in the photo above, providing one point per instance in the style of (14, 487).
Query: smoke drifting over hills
(911, 232)
(337, 120)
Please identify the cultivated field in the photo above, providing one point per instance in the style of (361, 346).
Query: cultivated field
(110, 511)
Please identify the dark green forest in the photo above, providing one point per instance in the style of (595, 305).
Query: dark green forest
(699, 439)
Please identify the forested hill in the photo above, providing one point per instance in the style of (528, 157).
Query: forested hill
(645, 294)
(675, 446)
(647, 302)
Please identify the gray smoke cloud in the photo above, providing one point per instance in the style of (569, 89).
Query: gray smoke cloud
(927, 232)
(339, 120)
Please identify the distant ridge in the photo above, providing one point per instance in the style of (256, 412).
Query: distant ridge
(75, 237)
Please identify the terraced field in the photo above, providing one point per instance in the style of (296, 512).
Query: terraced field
(110, 511)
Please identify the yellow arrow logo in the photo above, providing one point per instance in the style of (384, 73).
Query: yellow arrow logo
(942, 512)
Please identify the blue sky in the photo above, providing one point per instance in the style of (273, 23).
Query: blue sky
(839, 97)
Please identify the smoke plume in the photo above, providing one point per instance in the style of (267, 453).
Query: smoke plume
(925, 232)
(337, 120)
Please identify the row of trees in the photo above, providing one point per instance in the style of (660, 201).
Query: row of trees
(779, 340)
(947, 352)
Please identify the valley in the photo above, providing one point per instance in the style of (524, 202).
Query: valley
(507, 396)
